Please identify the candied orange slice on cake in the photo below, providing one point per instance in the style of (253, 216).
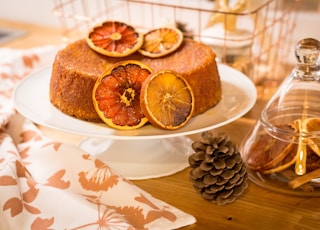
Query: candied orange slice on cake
(161, 41)
(114, 39)
(116, 95)
(167, 100)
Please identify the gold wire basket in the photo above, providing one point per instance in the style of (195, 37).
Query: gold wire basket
(259, 45)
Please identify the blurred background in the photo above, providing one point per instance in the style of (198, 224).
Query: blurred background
(40, 12)
(257, 57)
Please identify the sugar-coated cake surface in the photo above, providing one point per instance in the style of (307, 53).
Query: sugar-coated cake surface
(77, 67)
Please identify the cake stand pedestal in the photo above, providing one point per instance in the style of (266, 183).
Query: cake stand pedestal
(141, 159)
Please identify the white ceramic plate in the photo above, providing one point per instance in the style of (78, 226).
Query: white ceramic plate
(144, 153)
(31, 99)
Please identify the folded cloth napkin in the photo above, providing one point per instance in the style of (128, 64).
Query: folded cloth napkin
(46, 184)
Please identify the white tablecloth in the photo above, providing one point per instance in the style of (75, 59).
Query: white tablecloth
(51, 185)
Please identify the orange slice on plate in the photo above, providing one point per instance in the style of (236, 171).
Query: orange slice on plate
(116, 95)
(167, 100)
(160, 42)
(114, 39)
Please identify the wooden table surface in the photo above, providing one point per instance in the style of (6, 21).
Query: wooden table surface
(258, 208)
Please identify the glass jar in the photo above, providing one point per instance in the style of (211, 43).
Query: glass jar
(282, 151)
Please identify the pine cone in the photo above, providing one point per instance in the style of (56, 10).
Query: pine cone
(218, 172)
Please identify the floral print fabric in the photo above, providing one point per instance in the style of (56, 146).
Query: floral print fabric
(51, 185)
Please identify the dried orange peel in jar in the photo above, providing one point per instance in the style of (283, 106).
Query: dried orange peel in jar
(269, 152)
(167, 100)
(161, 41)
(291, 154)
(114, 39)
(313, 125)
(116, 95)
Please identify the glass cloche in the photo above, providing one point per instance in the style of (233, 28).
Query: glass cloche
(282, 151)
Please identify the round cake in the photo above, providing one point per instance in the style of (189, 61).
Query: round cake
(77, 67)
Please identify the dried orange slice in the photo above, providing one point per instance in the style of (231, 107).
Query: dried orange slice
(312, 124)
(114, 39)
(116, 95)
(167, 100)
(160, 42)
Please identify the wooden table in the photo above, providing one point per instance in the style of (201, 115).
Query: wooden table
(258, 208)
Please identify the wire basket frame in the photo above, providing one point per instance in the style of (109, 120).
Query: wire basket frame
(259, 46)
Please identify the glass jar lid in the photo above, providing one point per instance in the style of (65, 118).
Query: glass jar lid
(282, 151)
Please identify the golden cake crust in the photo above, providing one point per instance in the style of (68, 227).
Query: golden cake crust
(77, 67)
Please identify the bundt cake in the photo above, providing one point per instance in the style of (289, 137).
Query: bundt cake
(76, 68)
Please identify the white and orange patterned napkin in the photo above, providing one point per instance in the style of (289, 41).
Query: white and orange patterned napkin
(51, 185)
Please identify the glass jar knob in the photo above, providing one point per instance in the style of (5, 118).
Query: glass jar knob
(307, 52)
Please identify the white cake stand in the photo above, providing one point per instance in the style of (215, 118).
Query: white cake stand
(144, 153)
